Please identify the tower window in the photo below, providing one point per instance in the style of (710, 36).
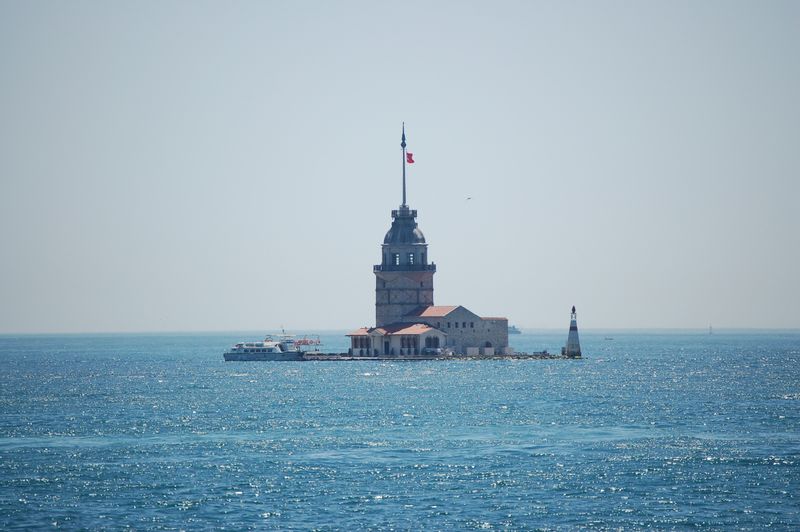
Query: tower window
(397, 259)
(448, 324)
(472, 325)
(456, 325)
(411, 258)
(464, 324)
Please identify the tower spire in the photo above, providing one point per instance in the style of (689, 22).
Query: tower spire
(403, 145)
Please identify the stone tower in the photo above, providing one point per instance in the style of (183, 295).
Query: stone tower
(404, 278)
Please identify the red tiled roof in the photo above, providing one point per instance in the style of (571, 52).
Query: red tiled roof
(432, 311)
(393, 328)
(404, 328)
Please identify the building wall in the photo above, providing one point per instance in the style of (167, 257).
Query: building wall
(466, 329)
(496, 333)
(397, 348)
(375, 344)
(397, 293)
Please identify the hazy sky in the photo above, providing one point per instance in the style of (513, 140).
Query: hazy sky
(232, 165)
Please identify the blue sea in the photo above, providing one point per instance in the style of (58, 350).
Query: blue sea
(651, 430)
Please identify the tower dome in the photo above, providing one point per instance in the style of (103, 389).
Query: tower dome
(404, 230)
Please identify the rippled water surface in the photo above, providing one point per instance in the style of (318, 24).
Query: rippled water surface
(650, 430)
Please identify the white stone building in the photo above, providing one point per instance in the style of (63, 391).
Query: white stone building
(398, 339)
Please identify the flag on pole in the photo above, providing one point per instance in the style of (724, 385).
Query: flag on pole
(409, 157)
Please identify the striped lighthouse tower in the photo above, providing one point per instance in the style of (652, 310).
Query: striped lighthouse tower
(573, 347)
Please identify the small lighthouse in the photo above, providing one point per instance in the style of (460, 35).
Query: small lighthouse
(573, 347)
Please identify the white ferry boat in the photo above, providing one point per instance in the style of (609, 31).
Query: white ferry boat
(269, 349)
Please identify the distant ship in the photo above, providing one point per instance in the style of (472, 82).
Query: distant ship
(285, 348)
(513, 330)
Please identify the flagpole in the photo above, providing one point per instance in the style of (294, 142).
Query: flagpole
(403, 145)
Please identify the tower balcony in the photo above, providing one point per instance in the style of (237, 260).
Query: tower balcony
(404, 212)
(404, 267)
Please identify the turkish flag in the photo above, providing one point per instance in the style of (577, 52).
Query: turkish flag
(409, 157)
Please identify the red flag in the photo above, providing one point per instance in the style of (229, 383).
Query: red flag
(409, 157)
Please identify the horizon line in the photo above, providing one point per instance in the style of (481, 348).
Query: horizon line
(342, 330)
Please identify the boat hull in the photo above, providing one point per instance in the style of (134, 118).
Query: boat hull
(263, 357)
